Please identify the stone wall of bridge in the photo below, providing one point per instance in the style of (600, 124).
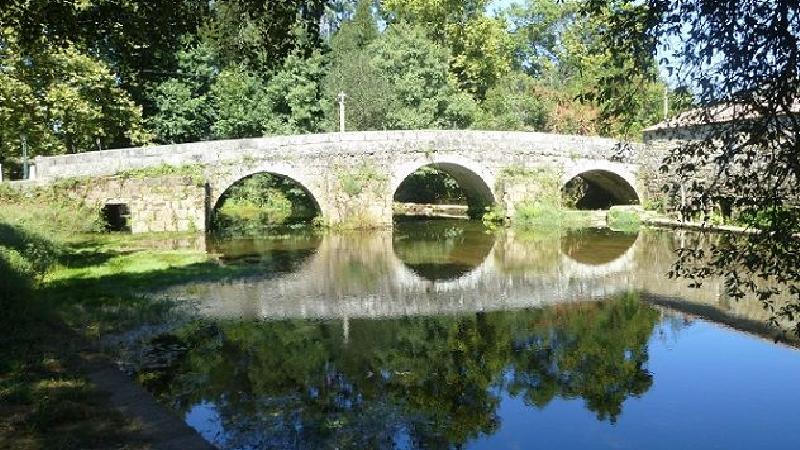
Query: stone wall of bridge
(353, 176)
(155, 204)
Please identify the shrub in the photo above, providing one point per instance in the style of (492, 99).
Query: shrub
(623, 219)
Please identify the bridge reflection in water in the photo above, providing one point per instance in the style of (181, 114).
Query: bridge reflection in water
(445, 267)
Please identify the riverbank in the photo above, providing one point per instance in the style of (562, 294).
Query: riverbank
(662, 222)
(60, 295)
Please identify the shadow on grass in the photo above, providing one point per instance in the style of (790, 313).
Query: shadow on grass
(46, 399)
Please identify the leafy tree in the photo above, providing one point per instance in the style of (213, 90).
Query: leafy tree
(481, 49)
(182, 105)
(399, 80)
(293, 95)
(182, 115)
(261, 35)
(64, 101)
(239, 104)
(356, 33)
(537, 29)
(416, 69)
(137, 39)
(351, 71)
(514, 103)
(417, 73)
(367, 92)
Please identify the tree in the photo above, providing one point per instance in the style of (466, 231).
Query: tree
(136, 39)
(182, 107)
(743, 60)
(356, 33)
(293, 95)
(537, 29)
(63, 101)
(351, 71)
(481, 49)
(239, 103)
(416, 71)
(514, 104)
(261, 35)
(399, 80)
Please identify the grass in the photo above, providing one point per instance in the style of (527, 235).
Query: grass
(623, 219)
(46, 400)
(60, 290)
(545, 215)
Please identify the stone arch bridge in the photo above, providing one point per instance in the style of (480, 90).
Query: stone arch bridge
(352, 176)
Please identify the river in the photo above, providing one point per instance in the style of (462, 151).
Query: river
(447, 334)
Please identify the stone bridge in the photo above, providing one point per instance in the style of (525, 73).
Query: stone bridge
(351, 176)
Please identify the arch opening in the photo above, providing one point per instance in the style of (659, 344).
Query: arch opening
(262, 203)
(442, 190)
(598, 189)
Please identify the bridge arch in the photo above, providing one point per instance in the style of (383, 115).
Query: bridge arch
(474, 180)
(219, 186)
(608, 184)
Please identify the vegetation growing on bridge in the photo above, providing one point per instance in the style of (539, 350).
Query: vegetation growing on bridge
(193, 171)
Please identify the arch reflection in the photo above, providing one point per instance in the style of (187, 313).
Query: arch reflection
(596, 247)
(439, 250)
(281, 253)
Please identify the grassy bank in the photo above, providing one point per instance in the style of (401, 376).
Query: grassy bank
(64, 285)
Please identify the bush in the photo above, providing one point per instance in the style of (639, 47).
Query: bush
(623, 219)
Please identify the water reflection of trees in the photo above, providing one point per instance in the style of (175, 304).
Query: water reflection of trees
(436, 381)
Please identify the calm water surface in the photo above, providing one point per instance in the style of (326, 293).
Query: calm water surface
(448, 335)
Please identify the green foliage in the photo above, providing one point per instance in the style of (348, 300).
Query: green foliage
(351, 71)
(538, 27)
(48, 211)
(182, 108)
(415, 69)
(430, 185)
(181, 116)
(63, 101)
(138, 39)
(573, 192)
(480, 46)
(239, 104)
(357, 33)
(596, 352)
(261, 202)
(260, 35)
(539, 214)
(357, 180)
(368, 92)
(293, 95)
(623, 219)
(514, 104)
